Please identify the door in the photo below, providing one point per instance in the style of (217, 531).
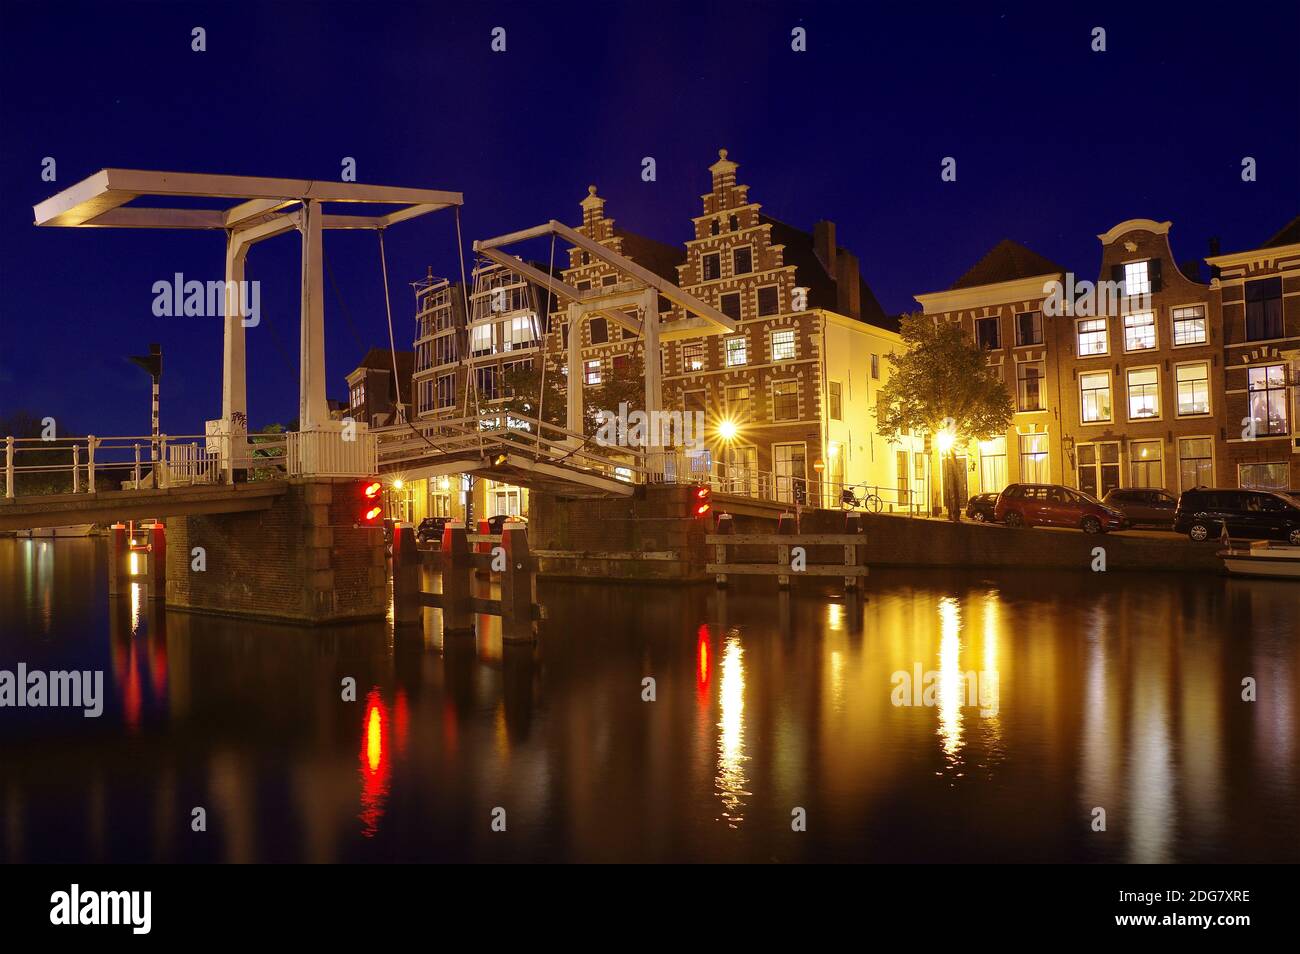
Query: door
(789, 465)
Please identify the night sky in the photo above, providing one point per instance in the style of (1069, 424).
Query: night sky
(1054, 144)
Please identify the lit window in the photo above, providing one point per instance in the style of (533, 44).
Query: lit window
(1146, 460)
(480, 338)
(1143, 393)
(1193, 388)
(1033, 459)
(1195, 462)
(737, 353)
(591, 371)
(518, 332)
(1267, 391)
(1189, 325)
(1092, 336)
(693, 356)
(1137, 279)
(1094, 392)
(1140, 331)
(782, 345)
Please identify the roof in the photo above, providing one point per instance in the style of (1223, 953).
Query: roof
(801, 252)
(659, 257)
(381, 359)
(1288, 235)
(1007, 261)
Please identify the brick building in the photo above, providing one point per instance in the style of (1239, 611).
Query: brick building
(1141, 371)
(1000, 304)
(373, 393)
(1255, 299)
(788, 396)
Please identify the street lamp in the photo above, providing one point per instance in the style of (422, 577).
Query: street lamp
(727, 429)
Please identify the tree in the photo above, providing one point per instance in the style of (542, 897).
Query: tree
(942, 385)
(624, 382)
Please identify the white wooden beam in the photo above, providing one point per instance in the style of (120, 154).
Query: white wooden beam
(534, 274)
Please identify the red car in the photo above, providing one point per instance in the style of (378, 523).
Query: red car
(1051, 505)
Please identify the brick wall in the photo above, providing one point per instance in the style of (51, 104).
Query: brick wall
(302, 560)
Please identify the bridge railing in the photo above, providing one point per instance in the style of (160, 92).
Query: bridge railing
(36, 466)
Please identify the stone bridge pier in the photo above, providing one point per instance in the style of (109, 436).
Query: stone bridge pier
(304, 560)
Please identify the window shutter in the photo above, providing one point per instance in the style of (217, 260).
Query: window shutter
(1153, 272)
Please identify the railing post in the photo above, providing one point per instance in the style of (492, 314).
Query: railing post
(9, 466)
(90, 462)
(161, 467)
(137, 465)
(76, 467)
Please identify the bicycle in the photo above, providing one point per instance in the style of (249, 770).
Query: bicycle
(850, 501)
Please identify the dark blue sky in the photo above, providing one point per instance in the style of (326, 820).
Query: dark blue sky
(1054, 144)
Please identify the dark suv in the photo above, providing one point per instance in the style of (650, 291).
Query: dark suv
(430, 530)
(1203, 514)
(1143, 506)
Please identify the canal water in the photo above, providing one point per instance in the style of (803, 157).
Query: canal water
(1042, 700)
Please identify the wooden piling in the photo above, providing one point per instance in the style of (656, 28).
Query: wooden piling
(119, 561)
(156, 562)
(457, 576)
(407, 567)
(518, 586)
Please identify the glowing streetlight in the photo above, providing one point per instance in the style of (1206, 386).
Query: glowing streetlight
(398, 484)
(945, 440)
(727, 429)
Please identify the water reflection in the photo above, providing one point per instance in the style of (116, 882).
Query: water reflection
(731, 780)
(375, 767)
(1051, 695)
(949, 690)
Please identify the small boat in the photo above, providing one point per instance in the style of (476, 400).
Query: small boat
(1263, 558)
(74, 530)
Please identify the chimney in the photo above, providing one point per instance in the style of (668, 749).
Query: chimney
(848, 291)
(824, 245)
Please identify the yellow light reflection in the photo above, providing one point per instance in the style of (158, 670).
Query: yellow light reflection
(948, 690)
(731, 781)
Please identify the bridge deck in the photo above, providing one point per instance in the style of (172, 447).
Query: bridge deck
(59, 510)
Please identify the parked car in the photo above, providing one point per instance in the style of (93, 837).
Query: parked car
(1051, 505)
(430, 530)
(1143, 506)
(980, 507)
(500, 520)
(1203, 513)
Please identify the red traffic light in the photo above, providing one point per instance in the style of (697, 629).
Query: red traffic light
(703, 501)
(372, 510)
